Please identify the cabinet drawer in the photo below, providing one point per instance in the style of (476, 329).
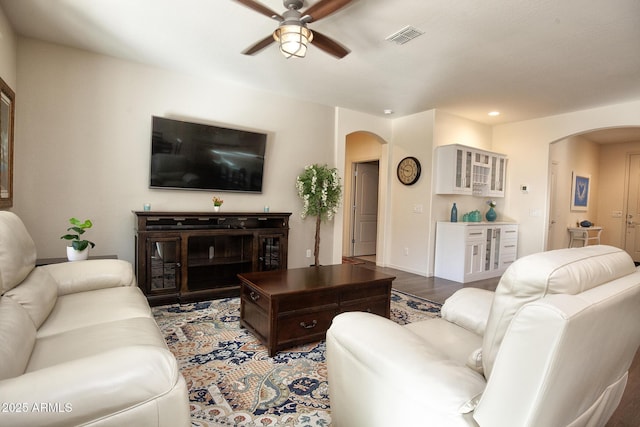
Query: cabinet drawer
(476, 233)
(510, 231)
(306, 300)
(379, 306)
(256, 318)
(366, 291)
(249, 294)
(506, 260)
(508, 247)
(304, 325)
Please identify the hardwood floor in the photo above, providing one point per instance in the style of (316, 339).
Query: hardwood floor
(438, 290)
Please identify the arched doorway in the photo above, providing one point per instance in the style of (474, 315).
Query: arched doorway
(605, 155)
(363, 154)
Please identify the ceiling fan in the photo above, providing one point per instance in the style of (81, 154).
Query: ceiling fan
(292, 34)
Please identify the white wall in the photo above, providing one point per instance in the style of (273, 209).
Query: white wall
(527, 145)
(83, 132)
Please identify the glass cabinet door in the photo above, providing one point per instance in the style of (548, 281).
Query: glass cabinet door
(164, 265)
(463, 169)
(270, 256)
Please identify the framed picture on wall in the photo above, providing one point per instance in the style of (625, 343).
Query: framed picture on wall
(7, 111)
(580, 187)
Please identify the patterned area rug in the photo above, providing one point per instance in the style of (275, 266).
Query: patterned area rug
(232, 380)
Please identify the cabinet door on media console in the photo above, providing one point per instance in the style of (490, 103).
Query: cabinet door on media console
(160, 277)
(272, 252)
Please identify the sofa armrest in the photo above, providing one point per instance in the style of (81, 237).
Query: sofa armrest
(469, 308)
(89, 275)
(381, 373)
(89, 389)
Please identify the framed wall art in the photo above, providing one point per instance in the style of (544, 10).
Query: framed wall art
(580, 187)
(7, 112)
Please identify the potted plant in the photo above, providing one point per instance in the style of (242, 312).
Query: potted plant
(217, 202)
(79, 248)
(320, 190)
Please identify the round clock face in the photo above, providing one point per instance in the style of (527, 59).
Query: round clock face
(409, 170)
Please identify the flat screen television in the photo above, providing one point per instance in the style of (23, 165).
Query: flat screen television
(196, 156)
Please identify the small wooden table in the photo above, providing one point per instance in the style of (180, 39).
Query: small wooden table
(582, 234)
(284, 308)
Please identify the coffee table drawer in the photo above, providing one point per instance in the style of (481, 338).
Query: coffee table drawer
(257, 298)
(306, 300)
(366, 291)
(305, 324)
(379, 306)
(256, 318)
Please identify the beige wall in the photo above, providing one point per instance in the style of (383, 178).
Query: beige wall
(8, 49)
(83, 131)
(612, 189)
(527, 145)
(410, 206)
(579, 155)
(360, 147)
(82, 148)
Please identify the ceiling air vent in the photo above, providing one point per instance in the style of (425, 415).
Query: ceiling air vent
(406, 34)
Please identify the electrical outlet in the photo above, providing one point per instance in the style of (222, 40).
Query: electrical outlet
(308, 253)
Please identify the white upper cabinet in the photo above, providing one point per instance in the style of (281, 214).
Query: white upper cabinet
(467, 170)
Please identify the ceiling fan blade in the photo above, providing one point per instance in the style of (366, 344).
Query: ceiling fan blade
(329, 45)
(259, 46)
(251, 4)
(322, 9)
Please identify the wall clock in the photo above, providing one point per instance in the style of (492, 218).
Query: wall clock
(409, 170)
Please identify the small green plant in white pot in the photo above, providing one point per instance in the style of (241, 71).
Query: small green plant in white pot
(79, 248)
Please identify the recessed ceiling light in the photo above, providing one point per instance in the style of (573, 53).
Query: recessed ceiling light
(388, 111)
(494, 113)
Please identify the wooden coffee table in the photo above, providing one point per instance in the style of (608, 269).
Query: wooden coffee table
(285, 308)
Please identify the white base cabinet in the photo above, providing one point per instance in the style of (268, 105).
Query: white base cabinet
(470, 251)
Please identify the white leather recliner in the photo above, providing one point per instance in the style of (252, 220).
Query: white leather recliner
(551, 347)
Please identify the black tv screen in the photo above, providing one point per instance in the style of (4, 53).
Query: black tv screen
(204, 157)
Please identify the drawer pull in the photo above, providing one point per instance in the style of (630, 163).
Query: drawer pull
(254, 296)
(309, 325)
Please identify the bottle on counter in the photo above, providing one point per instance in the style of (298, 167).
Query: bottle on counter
(454, 213)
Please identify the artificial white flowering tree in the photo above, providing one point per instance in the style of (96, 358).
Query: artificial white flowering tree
(321, 192)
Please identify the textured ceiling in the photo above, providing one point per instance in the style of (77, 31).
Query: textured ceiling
(525, 58)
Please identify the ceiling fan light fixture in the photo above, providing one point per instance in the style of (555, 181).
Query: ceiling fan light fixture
(293, 39)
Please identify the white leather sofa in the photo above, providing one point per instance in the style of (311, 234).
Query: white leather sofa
(550, 348)
(78, 344)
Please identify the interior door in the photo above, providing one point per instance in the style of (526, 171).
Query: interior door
(365, 209)
(555, 235)
(632, 223)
